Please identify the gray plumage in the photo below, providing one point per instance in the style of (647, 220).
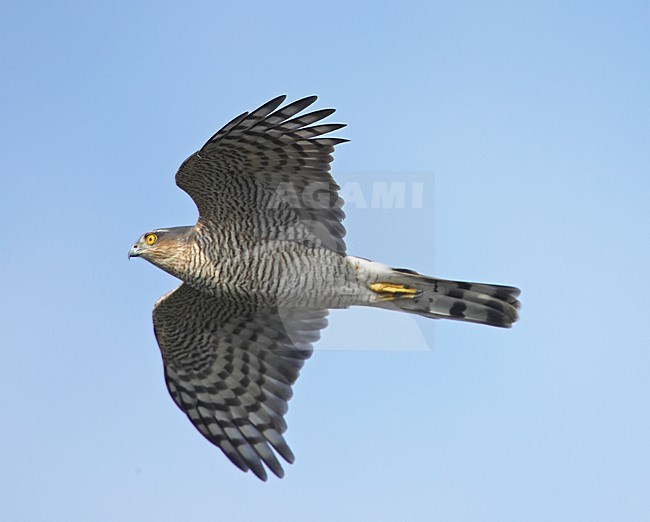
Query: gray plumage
(260, 269)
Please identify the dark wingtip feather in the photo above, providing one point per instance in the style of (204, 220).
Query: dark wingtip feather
(307, 99)
(233, 455)
(277, 99)
(298, 105)
(269, 106)
(223, 131)
(258, 470)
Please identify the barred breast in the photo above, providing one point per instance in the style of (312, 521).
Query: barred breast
(275, 274)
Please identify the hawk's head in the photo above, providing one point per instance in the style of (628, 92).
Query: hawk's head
(164, 247)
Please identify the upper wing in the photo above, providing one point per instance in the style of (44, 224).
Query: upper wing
(266, 175)
(230, 369)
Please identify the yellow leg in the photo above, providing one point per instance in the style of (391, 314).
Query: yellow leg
(389, 291)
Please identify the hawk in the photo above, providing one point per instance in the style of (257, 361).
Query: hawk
(260, 269)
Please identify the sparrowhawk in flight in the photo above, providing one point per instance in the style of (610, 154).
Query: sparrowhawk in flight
(260, 269)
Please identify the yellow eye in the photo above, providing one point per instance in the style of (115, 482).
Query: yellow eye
(151, 239)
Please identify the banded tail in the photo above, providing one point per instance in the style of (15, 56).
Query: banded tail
(408, 291)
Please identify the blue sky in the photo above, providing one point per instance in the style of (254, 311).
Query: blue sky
(528, 124)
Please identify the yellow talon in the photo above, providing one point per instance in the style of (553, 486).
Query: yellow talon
(392, 291)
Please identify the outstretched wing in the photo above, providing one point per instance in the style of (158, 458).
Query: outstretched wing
(230, 369)
(265, 175)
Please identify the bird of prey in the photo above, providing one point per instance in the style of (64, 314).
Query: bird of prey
(260, 269)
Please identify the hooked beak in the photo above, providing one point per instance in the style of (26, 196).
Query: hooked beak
(135, 251)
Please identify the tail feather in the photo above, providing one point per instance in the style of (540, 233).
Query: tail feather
(461, 305)
(494, 305)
